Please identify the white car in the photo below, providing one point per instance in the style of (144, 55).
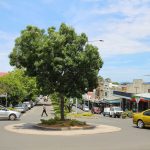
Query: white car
(85, 108)
(8, 114)
(115, 112)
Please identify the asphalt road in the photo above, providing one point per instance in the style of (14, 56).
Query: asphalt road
(129, 138)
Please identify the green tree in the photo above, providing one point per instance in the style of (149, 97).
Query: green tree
(116, 83)
(62, 61)
(18, 86)
(11, 85)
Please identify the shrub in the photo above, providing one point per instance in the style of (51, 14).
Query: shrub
(130, 114)
(65, 123)
(124, 115)
(127, 114)
(76, 122)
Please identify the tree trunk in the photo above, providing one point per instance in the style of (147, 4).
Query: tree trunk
(62, 107)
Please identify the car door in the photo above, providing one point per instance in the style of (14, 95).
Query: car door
(3, 112)
(146, 118)
(111, 111)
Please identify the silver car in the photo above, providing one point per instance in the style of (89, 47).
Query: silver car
(85, 108)
(8, 114)
(21, 108)
(28, 104)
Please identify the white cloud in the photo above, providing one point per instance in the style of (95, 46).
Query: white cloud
(121, 24)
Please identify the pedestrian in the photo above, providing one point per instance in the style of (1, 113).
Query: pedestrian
(44, 111)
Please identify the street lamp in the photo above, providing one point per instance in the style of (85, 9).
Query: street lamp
(96, 41)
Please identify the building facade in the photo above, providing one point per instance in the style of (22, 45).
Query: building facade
(129, 93)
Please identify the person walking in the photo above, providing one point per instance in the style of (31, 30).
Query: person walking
(44, 111)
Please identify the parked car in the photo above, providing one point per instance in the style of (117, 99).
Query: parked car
(106, 111)
(85, 108)
(28, 104)
(79, 106)
(8, 114)
(21, 108)
(95, 110)
(142, 119)
(25, 106)
(115, 112)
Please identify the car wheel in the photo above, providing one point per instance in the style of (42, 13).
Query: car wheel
(12, 117)
(140, 124)
(114, 116)
(119, 116)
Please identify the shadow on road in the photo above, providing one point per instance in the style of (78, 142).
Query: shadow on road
(146, 128)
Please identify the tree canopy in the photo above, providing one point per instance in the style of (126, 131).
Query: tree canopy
(62, 60)
(18, 86)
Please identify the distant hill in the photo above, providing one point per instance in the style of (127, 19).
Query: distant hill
(146, 82)
(125, 83)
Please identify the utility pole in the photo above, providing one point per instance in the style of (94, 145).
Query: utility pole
(136, 89)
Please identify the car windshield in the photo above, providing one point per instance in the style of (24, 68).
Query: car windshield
(19, 105)
(85, 106)
(96, 104)
(118, 109)
(24, 105)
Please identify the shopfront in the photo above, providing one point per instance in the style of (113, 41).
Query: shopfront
(129, 101)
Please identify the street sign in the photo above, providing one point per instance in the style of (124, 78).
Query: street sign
(137, 99)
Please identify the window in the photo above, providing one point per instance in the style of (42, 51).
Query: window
(147, 113)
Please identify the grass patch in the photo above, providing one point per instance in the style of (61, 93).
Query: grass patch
(10, 108)
(85, 114)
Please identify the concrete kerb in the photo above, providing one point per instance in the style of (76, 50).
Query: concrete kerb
(30, 129)
(88, 127)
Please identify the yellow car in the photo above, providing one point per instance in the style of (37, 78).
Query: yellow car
(142, 119)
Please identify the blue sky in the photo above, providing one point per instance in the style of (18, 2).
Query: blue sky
(124, 25)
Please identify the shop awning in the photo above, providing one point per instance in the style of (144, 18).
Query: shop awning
(145, 96)
(117, 101)
(114, 101)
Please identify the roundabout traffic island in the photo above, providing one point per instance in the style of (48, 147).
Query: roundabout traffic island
(56, 127)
